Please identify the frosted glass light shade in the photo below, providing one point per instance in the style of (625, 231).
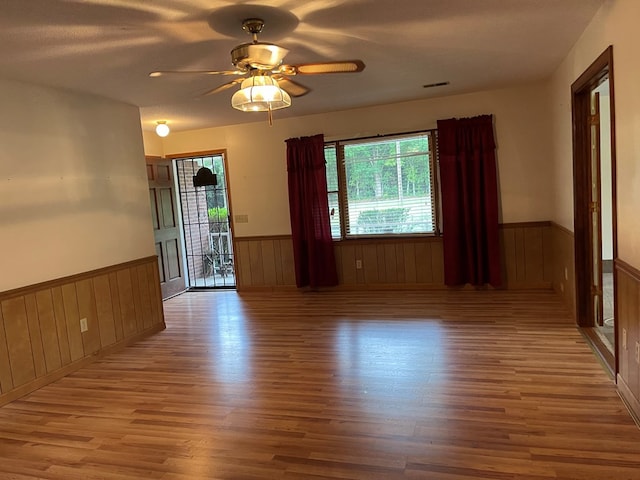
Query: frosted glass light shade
(260, 93)
(162, 129)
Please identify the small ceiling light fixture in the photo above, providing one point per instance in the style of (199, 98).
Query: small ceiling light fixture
(260, 93)
(162, 129)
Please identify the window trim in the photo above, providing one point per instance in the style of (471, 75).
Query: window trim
(343, 207)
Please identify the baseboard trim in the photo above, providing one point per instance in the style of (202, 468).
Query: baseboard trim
(390, 287)
(632, 403)
(266, 288)
(372, 287)
(529, 286)
(51, 377)
(602, 353)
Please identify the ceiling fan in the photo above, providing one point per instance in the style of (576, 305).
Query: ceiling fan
(261, 68)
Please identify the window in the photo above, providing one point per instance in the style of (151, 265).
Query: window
(382, 186)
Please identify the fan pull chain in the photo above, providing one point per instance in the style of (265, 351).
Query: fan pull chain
(270, 115)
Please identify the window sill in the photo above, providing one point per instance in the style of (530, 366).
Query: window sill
(389, 238)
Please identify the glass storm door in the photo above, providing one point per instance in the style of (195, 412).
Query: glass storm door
(206, 224)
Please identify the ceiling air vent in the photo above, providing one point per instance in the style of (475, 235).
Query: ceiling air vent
(438, 84)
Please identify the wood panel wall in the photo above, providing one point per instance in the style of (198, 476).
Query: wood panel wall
(564, 258)
(264, 262)
(40, 335)
(391, 263)
(527, 254)
(628, 331)
(410, 262)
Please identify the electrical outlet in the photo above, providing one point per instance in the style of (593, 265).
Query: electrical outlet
(624, 338)
(83, 325)
(358, 264)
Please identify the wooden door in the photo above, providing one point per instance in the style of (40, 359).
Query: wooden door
(595, 208)
(166, 227)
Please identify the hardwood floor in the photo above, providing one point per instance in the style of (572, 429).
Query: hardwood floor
(341, 385)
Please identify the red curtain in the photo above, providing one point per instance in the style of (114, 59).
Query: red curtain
(469, 201)
(309, 208)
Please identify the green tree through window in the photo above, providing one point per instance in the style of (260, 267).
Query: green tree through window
(386, 187)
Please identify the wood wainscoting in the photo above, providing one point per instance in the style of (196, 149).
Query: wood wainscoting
(392, 263)
(628, 331)
(564, 282)
(396, 263)
(264, 262)
(40, 334)
(527, 250)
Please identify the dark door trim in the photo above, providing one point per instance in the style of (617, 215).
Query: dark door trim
(580, 106)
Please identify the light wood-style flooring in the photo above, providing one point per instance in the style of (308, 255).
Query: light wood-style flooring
(334, 385)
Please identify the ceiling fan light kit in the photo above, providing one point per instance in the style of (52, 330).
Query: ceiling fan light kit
(262, 61)
(260, 93)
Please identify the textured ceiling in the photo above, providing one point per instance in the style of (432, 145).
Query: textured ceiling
(108, 47)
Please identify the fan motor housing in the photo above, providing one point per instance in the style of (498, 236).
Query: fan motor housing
(258, 55)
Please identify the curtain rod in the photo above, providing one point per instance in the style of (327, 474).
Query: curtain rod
(381, 136)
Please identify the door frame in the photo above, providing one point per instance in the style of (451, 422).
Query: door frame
(583, 242)
(223, 154)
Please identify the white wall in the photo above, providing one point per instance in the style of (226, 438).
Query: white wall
(257, 162)
(152, 144)
(73, 187)
(615, 24)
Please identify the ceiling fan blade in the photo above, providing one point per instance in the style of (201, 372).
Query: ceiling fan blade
(341, 66)
(292, 88)
(162, 73)
(223, 87)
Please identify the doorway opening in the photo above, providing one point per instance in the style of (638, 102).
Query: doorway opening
(206, 225)
(605, 318)
(594, 206)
